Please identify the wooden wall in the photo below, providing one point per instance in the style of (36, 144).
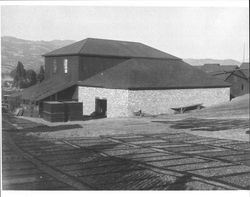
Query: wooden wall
(73, 62)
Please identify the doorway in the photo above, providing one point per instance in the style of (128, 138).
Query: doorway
(101, 107)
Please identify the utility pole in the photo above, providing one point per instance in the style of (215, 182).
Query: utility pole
(243, 53)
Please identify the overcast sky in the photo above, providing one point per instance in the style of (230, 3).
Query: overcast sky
(184, 32)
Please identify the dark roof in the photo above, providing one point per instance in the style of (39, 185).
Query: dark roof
(138, 73)
(228, 68)
(217, 68)
(199, 67)
(46, 88)
(245, 72)
(223, 76)
(102, 47)
(244, 65)
(153, 74)
(208, 68)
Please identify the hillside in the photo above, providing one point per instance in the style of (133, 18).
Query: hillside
(236, 108)
(30, 53)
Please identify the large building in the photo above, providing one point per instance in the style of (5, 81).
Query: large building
(118, 78)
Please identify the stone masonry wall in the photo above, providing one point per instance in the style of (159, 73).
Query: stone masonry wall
(161, 101)
(117, 100)
(122, 103)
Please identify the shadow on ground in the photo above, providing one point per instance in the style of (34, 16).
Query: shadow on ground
(207, 124)
(29, 126)
(107, 173)
(45, 128)
(114, 173)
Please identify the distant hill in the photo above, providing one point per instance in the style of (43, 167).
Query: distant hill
(30, 53)
(200, 62)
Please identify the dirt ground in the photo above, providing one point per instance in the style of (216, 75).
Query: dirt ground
(202, 150)
(169, 160)
(227, 121)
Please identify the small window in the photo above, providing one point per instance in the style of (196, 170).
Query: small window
(54, 66)
(65, 65)
(242, 87)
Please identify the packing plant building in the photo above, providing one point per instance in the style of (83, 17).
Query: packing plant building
(118, 78)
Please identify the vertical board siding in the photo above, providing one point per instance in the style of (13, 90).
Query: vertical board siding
(73, 65)
(237, 79)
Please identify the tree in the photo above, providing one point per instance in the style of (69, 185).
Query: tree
(40, 76)
(20, 71)
(31, 77)
(20, 76)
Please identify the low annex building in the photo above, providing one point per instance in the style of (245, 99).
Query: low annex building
(238, 77)
(118, 78)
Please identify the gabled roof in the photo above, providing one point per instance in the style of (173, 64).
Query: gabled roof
(102, 47)
(46, 88)
(153, 74)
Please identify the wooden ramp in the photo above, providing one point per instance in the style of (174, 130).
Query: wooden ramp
(187, 108)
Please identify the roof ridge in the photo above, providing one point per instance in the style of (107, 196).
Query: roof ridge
(84, 41)
(115, 48)
(67, 46)
(91, 38)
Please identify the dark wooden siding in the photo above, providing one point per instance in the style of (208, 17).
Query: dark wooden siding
(72, 74)
(67, 94)
(91, 65)
(240, 85)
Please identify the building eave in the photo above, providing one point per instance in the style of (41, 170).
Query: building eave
(109, 56)
(154, 88)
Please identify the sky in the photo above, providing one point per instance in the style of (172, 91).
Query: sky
(186, 32)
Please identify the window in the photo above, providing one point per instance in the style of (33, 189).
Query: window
(65, 65)
(54, 66)
(242, 87)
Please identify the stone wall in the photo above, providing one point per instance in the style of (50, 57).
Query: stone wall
(121, 103)
(117, 100)
(161, 101)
